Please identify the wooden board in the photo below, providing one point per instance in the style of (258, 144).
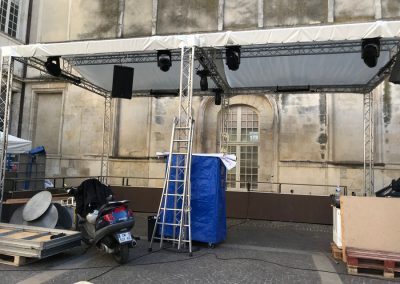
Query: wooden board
(370, 223)
(20, 244)
(372, 262)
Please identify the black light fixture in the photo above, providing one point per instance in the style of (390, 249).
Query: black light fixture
(233, 57)
(203, 79)
(53, 67)
(370, 49)
(218, 96)
(164, 60)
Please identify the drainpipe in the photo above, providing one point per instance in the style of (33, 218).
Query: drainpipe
(117, 109)
(24, 71)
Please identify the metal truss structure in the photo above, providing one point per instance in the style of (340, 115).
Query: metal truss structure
(296, 49)
(207, 57)
(107, 121)
(369, 149)
(7, 73)
(69, 77)
(65, 74)
(174, 212)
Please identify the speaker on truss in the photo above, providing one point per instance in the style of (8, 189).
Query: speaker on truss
(122, 82)
(395, 74)
(218, 96)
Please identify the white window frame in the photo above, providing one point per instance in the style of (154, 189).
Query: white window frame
(239, 144)
(7, 23)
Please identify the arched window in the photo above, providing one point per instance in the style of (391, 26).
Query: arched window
(243, 129)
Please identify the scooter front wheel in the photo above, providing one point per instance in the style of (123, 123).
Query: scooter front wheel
(121, 254)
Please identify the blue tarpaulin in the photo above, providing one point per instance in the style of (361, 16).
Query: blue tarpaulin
(208, 211)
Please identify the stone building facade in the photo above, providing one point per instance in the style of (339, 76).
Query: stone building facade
(292, 138)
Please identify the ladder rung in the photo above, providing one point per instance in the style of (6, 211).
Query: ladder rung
(179, 153)
(171, 224)
(178, 167)
(170, 239)
(174, 194)
(182, 127)
(176, 180)
(171, 209)
(181, 140)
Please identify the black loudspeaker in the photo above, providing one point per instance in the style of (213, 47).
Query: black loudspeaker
(122, 82)
(218, 97)
(395, 74)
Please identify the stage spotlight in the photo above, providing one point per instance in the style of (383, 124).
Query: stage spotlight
(370, 49)
(203, 79)
(218, 96)
(53, 66)
(233, 57)
(164, 60)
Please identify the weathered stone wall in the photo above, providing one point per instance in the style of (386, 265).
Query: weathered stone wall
(63, 20)
(304, 138)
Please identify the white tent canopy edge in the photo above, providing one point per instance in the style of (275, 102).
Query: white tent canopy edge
(325, 33)
(16, 145)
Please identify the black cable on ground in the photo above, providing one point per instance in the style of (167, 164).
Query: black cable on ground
(112, 267)
(252, 259)
(116, 266)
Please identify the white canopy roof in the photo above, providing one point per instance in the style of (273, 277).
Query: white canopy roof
(318, 57)
(16, 145)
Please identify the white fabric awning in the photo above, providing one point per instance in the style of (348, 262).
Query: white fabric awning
(16, 145)
(314, 57)
(342, 32)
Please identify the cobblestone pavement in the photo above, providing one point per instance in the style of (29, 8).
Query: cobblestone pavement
(255, 252)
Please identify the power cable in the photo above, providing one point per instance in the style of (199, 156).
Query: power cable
(112, 267)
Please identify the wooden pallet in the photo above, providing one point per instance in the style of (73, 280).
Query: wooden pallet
(336, 252)
(21, 244)
(371, 262)
(16, 260)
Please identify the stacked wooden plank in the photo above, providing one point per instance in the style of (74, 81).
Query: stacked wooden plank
(368, 261)
(20, 244)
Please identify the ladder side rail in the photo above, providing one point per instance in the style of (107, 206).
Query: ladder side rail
(189, 208)
(165, 187)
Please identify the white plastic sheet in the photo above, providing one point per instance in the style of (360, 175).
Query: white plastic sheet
(336, 32)
(228, 160)
(16, 145)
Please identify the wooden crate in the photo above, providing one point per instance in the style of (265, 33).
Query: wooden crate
(371, 262)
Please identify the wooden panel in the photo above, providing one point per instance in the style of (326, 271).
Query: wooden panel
(43, 238)
(371, 223)
(21, 235)
(253, 205)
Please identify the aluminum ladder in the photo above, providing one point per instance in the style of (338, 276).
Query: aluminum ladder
(173, 221)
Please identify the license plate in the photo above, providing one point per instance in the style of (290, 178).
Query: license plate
(124, 237)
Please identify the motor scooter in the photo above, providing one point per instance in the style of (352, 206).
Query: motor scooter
(105, 223)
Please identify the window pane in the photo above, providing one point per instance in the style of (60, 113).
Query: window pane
(3, 14)
(13, 18)
(243, 139)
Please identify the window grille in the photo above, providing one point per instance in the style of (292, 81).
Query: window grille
(9, 14)
(243, 129)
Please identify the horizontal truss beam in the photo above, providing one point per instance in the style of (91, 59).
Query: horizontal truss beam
(246, 52)
(84, 84)
(207, 56)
